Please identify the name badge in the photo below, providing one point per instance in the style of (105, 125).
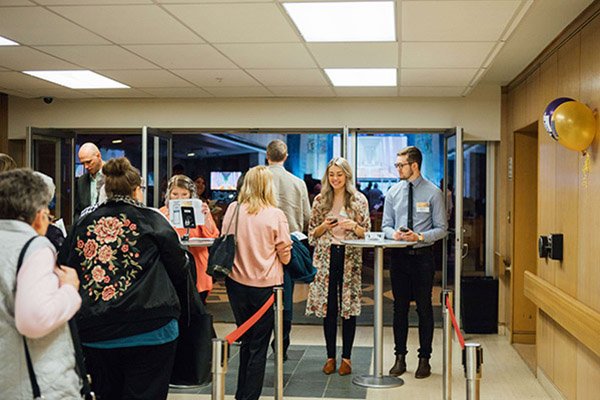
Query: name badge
(423, 207)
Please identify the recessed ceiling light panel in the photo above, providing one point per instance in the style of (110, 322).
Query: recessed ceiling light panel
(7, 42)
(362, 76)
(77, 79)
(366, 21)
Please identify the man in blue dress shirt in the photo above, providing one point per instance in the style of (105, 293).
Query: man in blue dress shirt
(414, 211)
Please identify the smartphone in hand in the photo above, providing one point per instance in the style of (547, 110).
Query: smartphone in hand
(403, 229)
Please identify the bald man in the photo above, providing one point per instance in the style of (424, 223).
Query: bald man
(86, 189)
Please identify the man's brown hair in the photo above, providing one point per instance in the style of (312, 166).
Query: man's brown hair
(413, 155)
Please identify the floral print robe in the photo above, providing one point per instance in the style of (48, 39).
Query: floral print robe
(351, 288)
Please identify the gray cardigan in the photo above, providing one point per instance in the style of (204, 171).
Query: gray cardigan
(52, 355)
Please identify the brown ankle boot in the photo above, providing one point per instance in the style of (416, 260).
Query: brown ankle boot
(399, 366)
(329, 366)
(345, 367)
(424, 369)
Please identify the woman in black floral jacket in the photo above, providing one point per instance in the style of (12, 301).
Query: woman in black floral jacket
(130, 263)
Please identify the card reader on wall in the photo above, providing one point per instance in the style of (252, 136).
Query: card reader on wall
(551, 246)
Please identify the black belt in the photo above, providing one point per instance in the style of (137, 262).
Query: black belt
(415, 252)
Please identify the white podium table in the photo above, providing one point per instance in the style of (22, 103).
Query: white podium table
(377, 380)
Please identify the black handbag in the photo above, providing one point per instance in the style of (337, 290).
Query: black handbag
(86, 380)
(222, 252)
(193, 357)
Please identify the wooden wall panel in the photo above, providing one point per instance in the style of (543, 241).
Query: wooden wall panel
(588, 374)
(545, 344)
(589, 212)
(546, 166)
(535, 100)
(567, 174)
(564, 374)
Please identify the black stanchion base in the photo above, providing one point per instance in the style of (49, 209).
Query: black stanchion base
(381, 382)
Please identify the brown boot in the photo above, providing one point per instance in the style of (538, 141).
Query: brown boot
(345, 367)
(399, 366)
(424, 369)
(329, 366)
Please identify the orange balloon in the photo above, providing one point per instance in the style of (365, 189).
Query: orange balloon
(575, 125)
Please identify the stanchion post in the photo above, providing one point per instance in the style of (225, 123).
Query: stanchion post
(278, 343)
(219, 368)
(472, 360)
(447, 364)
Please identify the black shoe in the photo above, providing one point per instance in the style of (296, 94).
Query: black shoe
(424, 369)
(399, 366)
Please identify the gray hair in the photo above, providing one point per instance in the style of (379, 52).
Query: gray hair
(22, 195)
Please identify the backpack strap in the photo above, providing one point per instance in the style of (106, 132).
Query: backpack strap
(35, 388)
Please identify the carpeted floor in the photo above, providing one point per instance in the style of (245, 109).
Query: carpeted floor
(302, 375)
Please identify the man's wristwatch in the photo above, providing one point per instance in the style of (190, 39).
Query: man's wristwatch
(420, 238)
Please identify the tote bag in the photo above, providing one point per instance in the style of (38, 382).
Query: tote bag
(222, 252)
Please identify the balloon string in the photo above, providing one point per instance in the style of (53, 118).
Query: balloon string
(586, 168)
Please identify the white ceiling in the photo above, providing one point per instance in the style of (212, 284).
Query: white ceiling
(250, 48)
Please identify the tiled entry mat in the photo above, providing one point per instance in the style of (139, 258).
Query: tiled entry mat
(302, 375)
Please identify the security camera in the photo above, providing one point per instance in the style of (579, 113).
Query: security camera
(48, 100)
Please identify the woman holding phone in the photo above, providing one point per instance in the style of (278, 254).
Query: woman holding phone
(339, 212)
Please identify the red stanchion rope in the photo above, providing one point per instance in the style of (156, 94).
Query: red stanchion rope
(459, 335)
(243, 328)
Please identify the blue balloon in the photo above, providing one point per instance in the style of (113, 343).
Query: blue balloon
(547, 117)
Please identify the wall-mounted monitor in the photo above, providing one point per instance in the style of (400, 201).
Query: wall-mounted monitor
(224, 180)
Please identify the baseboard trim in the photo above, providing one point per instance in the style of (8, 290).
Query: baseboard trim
(549, 386)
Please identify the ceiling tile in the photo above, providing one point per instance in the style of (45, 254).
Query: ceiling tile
(217, 77)
(24, 58)
(17, 3)
(366, 91)
(355, 55)
(302, 91)
(456, 21)
(184, 56)
(432, 91)
(270, 55)
(253, 91)
(437, 77)
(89, 2)
(236, 23)
(289, 77)
(98, 57)
(37, 26)
(130, 24)
(116, 93)
(20, 81)
(445, 54)
(177, 92)
(57, 93)
(150, 78)
(213, 1)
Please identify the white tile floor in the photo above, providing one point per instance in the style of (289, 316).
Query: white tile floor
(505, 375)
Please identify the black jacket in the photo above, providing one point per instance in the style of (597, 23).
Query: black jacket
(130, 265)
(82, 195)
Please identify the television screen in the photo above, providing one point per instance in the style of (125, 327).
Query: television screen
(224, 180)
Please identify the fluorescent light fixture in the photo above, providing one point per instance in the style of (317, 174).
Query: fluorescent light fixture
(77, 79)
(7, 42)
(117, 141)
(191, 154)
(366, 21)
(362, 76)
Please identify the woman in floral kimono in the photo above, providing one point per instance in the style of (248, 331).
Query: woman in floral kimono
(129, 262)
(339, 212)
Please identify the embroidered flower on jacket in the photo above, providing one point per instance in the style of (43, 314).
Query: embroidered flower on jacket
(109, 257)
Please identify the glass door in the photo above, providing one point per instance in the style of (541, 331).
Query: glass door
(157, 150)
(52, 152)
(453, 190)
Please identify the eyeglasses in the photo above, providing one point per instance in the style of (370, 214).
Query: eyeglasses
(401, 165)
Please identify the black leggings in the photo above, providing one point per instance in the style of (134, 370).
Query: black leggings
(336, 275)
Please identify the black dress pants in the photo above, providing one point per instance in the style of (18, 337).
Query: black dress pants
(128, 373)
(412, 276)
(334, 293)
(245, 301)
